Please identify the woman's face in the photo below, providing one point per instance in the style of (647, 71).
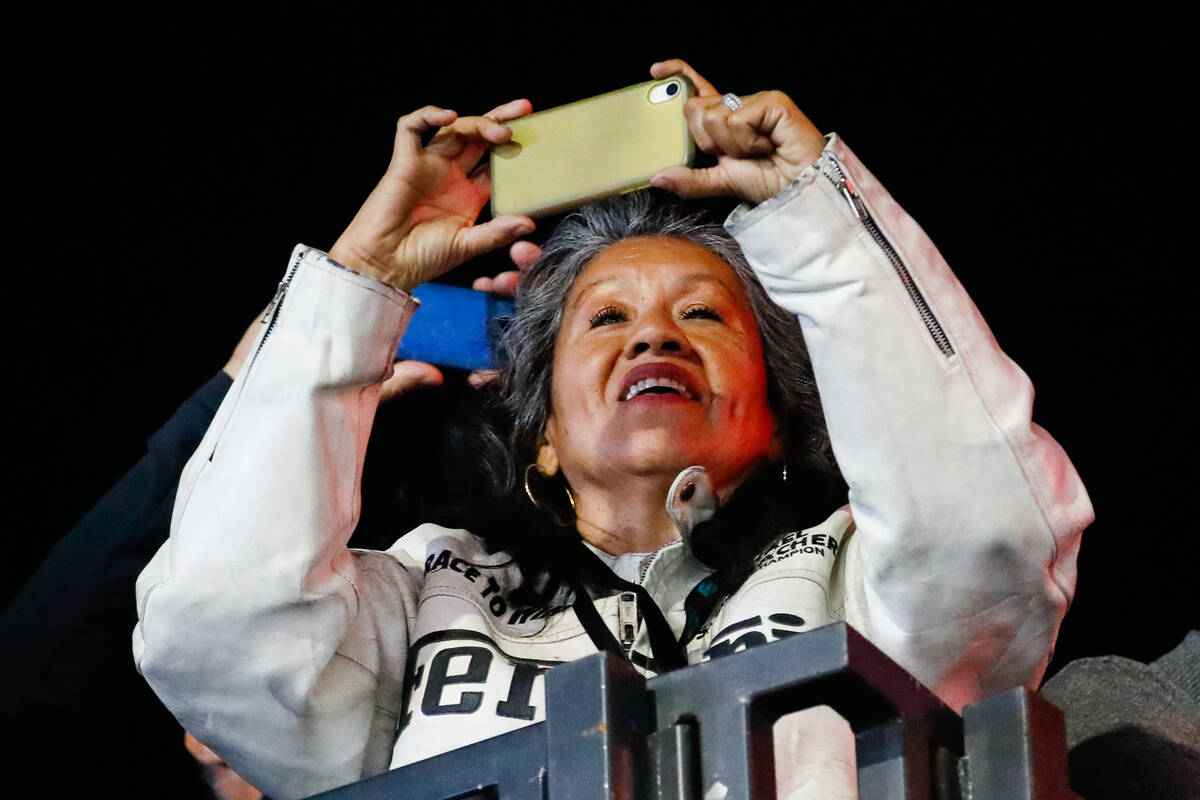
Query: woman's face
(658, 366)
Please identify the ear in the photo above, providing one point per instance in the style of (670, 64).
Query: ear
(777, 450)
(547, 459)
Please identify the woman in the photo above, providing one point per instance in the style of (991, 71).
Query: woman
(307, 666)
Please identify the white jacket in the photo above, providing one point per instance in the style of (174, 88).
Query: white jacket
(288, 653)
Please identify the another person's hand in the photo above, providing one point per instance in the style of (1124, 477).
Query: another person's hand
(409, 375)
(224, 782)
(760, 148)
(419, 222)
(412, 374)
(505, 284)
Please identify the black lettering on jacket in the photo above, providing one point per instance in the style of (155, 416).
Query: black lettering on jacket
(752, 631)
(468, 673)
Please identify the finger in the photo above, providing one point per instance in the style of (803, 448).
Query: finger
(716, 124)
(677, 66)
(792, 135)
(409, 375)
(510, 110)
(504, 284)
(744, 128)
(524, 253)
(468, 139)
(200, 751)
(692, 182)
(694, 111)
(475, 240)
(734, 133)
(479, 129)
(482, 178)
(482, 377)
(410, 127)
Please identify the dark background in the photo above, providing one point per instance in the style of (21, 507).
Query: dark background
(166, 162)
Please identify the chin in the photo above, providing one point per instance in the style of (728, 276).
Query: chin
(666, 451)
(668, 465)
(649, 463)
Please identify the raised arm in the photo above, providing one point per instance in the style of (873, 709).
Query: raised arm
(268, 639)
(967, 515)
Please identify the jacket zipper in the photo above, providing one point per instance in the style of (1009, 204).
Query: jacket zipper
(272, 311)
(649, 561)
(833, 171)
(270, 314)
(627, 620)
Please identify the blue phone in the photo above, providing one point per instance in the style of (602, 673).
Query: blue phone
(454, 327)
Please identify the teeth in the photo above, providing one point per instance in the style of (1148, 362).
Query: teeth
(652, 383)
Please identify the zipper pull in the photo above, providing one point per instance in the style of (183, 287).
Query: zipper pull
(853, 199)
(837, 176)
(266, 317)
(627, 620)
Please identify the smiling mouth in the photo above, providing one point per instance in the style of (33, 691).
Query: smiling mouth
(658, 386)
(659, 379)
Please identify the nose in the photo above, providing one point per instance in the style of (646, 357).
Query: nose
(655, 333)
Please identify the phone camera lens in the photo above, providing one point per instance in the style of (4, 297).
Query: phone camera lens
(672, 89)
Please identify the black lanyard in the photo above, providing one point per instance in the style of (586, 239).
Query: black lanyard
(668, 651)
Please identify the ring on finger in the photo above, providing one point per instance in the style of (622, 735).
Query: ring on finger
(731, 101)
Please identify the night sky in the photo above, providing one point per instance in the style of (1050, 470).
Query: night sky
(165, 164)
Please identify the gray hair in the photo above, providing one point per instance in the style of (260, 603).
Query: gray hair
(528, 342)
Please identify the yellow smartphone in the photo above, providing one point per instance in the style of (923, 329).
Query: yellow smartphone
(606, 145)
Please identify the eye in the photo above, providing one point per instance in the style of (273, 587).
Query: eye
(700, 311)
(606, 316)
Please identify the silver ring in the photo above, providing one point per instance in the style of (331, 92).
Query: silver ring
(731, 101)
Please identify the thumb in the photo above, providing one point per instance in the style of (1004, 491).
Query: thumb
(692, 182)
(475, 240)
(409, 375)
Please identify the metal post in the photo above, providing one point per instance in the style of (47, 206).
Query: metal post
(1016, 744)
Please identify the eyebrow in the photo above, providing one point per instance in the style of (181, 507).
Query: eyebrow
(587, 288)
(686, 278)
(702, 277)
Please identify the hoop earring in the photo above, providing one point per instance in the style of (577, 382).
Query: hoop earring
(783, 474)
(547, 509)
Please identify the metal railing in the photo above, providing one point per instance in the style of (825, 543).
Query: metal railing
(705, 733)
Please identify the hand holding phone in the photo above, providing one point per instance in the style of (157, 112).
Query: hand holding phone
(610, 144)
(420, 220)
(762, 141)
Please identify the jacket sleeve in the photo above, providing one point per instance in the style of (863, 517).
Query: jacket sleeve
(267, 638)
(967, 515)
